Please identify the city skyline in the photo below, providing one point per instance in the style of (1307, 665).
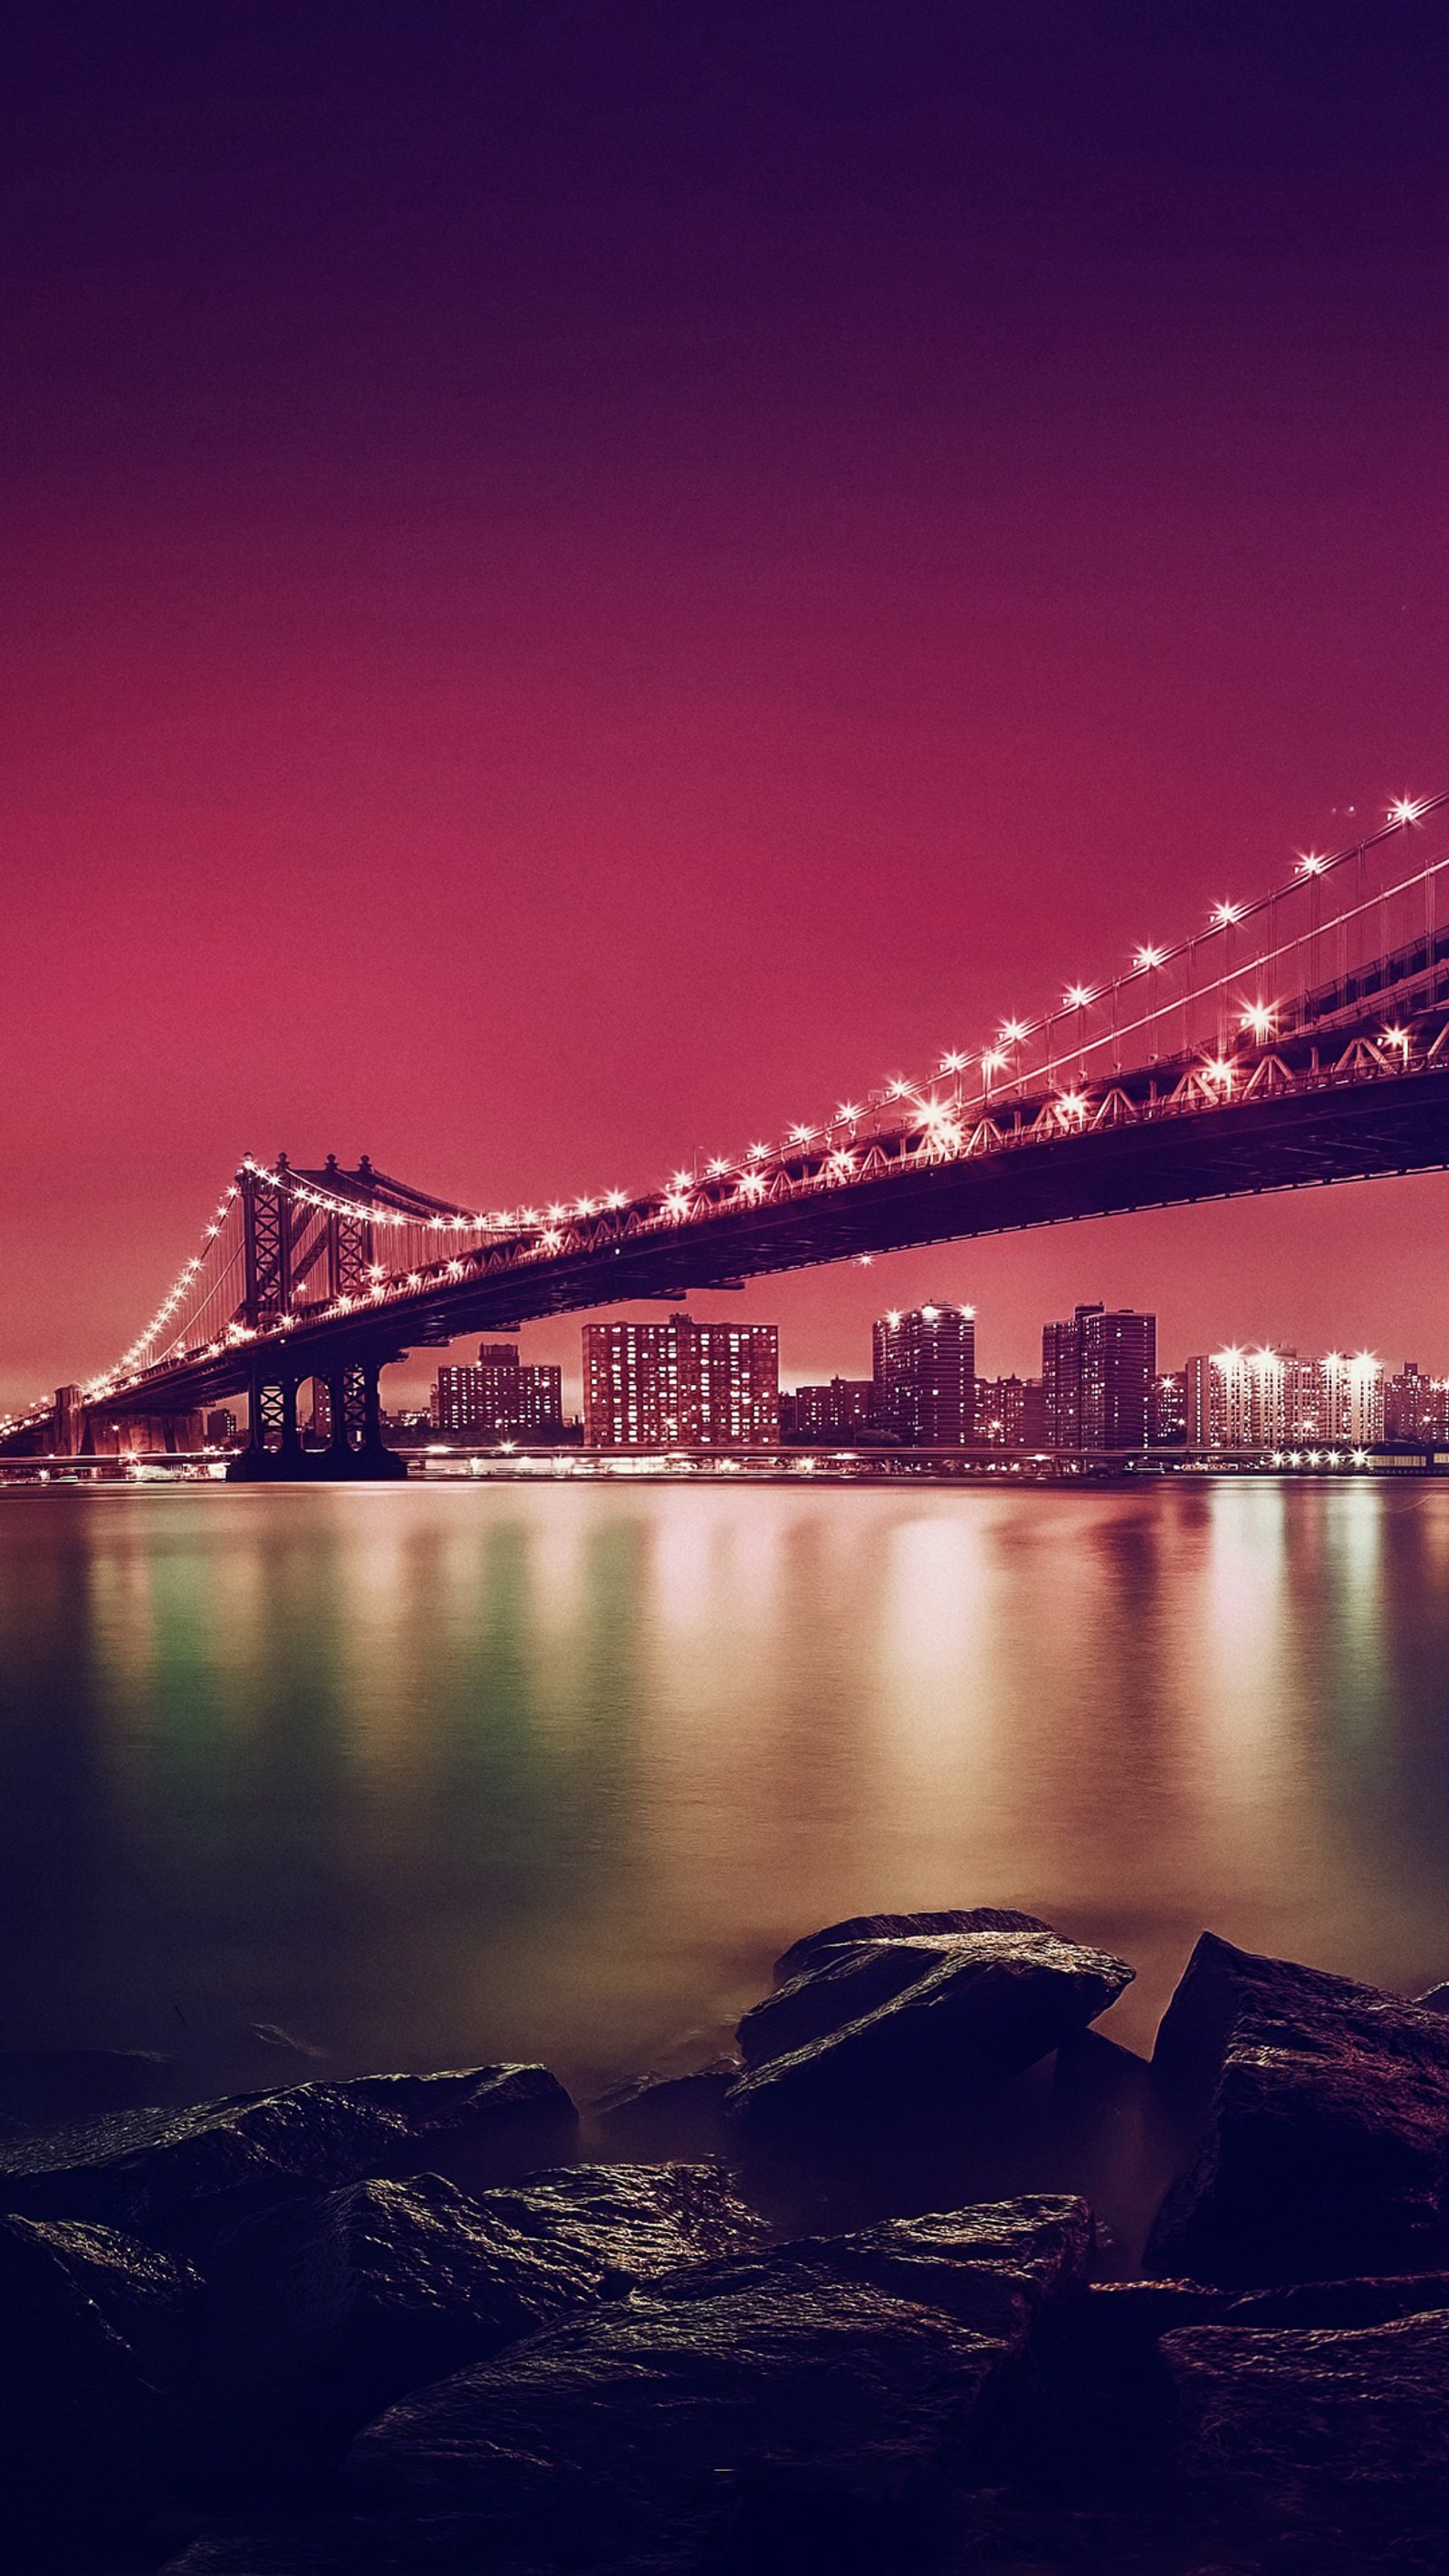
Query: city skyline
(396, 673)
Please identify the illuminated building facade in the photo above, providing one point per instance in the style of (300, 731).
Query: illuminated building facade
(925, 1376)
(1167, 1410)
(1097, 1374)
(500, 1398)
(1265, 1399)
(843, 1410)
(1416, 1409)
(681, 1385)
(1010, 1413)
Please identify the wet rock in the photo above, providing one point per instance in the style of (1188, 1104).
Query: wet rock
(1327, 2429)
(809, 1952)
(43, 2085)
(813, 2404)
(1102, 2413)
(96, 2337)
(322, 2311)
(668, 2115)
(879, 2028)
(633, 2221)
(176, 2177)
(1325, 2111)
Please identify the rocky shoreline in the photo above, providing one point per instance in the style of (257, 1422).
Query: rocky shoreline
(930, 2276)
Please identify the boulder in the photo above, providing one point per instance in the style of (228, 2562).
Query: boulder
(39, 2086)
(880, 2028)
(1102, 2412)
(1324, 2112)
(811, 2404)
(176, 2177)
(1344, 2431)
(666, 2115)
(808, 1952)
(323, 2310)
(96, 2338)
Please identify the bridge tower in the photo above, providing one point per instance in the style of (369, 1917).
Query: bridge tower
(284, 1248)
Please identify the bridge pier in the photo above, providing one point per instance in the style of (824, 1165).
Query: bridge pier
(356, 1453)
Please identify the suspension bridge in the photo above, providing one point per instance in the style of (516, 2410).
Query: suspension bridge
(1295, 1039)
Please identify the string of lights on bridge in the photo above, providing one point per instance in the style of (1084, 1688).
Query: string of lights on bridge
(539, 1232)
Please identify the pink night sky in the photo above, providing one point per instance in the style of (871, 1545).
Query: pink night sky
(584, 584)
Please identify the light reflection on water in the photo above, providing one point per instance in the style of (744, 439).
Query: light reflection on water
(436, 1774)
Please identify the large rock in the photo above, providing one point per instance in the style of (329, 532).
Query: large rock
(96, 2340)
(175, 2177)
(813, 2404)
(1325, 2125)
(322, 2311)
(1101, 2413)
(813, 1948)
(880, 2027)
(1333, 2430)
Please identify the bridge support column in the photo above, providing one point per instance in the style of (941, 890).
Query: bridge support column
(274, 1451)
(373, 1460)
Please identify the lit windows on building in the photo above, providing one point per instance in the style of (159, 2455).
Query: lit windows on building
(681, 1384)
(1097, 1375)
(925, 1375)
(500, 1398)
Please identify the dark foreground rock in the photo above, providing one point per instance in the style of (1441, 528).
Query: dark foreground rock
(814, 2404)
(1325, 2112)
(1320, 2430)
(324, 2310)
(96, 2341)
(176, 2177)
(1102, 2415)
(666, 2115)
(878, 2027)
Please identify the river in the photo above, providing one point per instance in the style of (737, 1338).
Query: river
(429, 1775)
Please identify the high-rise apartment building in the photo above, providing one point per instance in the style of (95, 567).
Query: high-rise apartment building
(843, 1410)
(925, 1376)
(1097, 1374)
(1267, 1399)
(500, 1398)
(1416, 1409)
(681, 1385)
(1167, 1410)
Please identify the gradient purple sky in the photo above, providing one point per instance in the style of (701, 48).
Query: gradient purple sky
(585, 581)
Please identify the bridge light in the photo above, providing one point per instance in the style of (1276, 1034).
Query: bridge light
(1311, 864)
(1146, 956)
(1012, 1033)
(1259, 1018)
(1225, 914)
(1399, 1038)
(615, 1199)
(992, 1059)
(1076, 997)
(1406, 809)
(955, 1060)
(850, 1110)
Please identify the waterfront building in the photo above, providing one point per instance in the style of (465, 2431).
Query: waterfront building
(1416, 1408)
(681, 1384)
(220, 1428)
(1097, 1374)
(925, 1375)
(843, 1410)
(1167, 1410)
(499, 1398)
(1268, 1399)
(1010, 1413)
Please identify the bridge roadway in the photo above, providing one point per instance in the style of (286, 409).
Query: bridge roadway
(1321, 1107)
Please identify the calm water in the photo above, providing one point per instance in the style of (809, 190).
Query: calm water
(439, 1774)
